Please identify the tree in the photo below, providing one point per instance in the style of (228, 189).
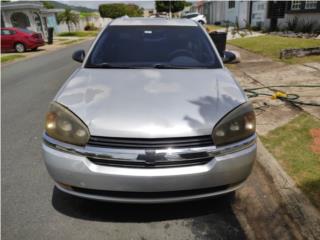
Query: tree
(115, 10)
(68, 17)
(133, 10)
(176, 6)
(48, 4)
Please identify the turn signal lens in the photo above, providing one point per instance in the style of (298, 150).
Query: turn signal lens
(65, 126)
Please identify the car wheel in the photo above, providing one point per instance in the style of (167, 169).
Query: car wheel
(202, 22)
(19, 47)
(34, 49)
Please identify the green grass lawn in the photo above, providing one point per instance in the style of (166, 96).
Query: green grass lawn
(9, 58)
(79, 34)
(270, 46)
(292, 147)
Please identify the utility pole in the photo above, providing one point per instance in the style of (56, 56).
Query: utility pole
(170, 13)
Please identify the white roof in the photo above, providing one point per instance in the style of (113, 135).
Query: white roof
(21, 5)
(127, 21)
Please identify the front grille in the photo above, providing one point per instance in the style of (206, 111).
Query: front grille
(145, 164)
(149, 159)
(152, 143)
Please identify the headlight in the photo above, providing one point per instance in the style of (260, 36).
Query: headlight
(235, 126)
(63, 125)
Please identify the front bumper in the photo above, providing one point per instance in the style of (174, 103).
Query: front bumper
(75, 174)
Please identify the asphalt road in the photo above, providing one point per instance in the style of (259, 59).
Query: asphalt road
(33, 209)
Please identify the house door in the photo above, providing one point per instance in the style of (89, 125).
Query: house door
(37, 20)
(276, 9)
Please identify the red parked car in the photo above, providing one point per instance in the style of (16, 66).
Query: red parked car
(20, 40)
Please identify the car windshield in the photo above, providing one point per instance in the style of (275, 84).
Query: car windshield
(190, 15)
(153, 47)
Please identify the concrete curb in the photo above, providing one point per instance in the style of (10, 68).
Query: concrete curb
(301, 210)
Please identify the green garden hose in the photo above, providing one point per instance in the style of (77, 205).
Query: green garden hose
(278, 94)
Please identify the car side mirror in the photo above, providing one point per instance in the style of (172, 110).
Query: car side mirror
(79, 55)
(231, 57)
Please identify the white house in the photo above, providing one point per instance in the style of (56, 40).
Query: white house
(238, 11)
(220, 12)
(273, 14)
(215, 11)
(267, 14)
(29, 15)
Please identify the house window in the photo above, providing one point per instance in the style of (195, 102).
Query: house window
(232, 4)
(5, 32)
(295, 5)
(310, 5)
(20, 20)
(260, 7)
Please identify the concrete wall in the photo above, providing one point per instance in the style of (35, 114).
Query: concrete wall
(216, 11)
(240, 12)
(219, 11)
(259, 15)
(97, 21)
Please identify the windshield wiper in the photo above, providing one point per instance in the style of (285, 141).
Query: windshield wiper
(109, 65)
(171, 66)
(157, 65)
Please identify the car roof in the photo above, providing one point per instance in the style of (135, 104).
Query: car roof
(126, 21)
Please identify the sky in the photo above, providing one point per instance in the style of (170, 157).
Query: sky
(95, 4)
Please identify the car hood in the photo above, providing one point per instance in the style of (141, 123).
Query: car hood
(150, 103)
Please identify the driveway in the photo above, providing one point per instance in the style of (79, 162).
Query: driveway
(33, 209)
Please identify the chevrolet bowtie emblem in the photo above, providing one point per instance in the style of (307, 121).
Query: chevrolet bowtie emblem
(151, 157)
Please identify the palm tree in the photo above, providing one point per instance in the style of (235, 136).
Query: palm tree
(68, 17)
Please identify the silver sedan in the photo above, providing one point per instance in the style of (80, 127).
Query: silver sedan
(151, 116)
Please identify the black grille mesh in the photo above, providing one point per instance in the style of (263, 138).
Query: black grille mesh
(152, 143)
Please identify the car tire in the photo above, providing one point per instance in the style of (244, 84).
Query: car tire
(201, 22)
(19, 47)
(34, 49)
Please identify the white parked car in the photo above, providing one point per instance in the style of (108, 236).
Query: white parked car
(196, 17)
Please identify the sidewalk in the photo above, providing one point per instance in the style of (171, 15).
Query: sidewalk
(257, 71)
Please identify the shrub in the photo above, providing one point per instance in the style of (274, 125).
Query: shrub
(90, 27)
(115, 10)
(317, 29)
(292, 24)
(257, 27)
(248, 26)
(227, 27)
(174, 6)
(306, 26)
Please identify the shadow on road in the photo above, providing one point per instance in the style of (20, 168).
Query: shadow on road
(114, 212)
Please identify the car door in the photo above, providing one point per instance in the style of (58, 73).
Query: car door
(6, 39)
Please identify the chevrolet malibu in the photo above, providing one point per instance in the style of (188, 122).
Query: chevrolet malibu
(151, 116)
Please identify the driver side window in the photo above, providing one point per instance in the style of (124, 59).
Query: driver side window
(5, 32)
